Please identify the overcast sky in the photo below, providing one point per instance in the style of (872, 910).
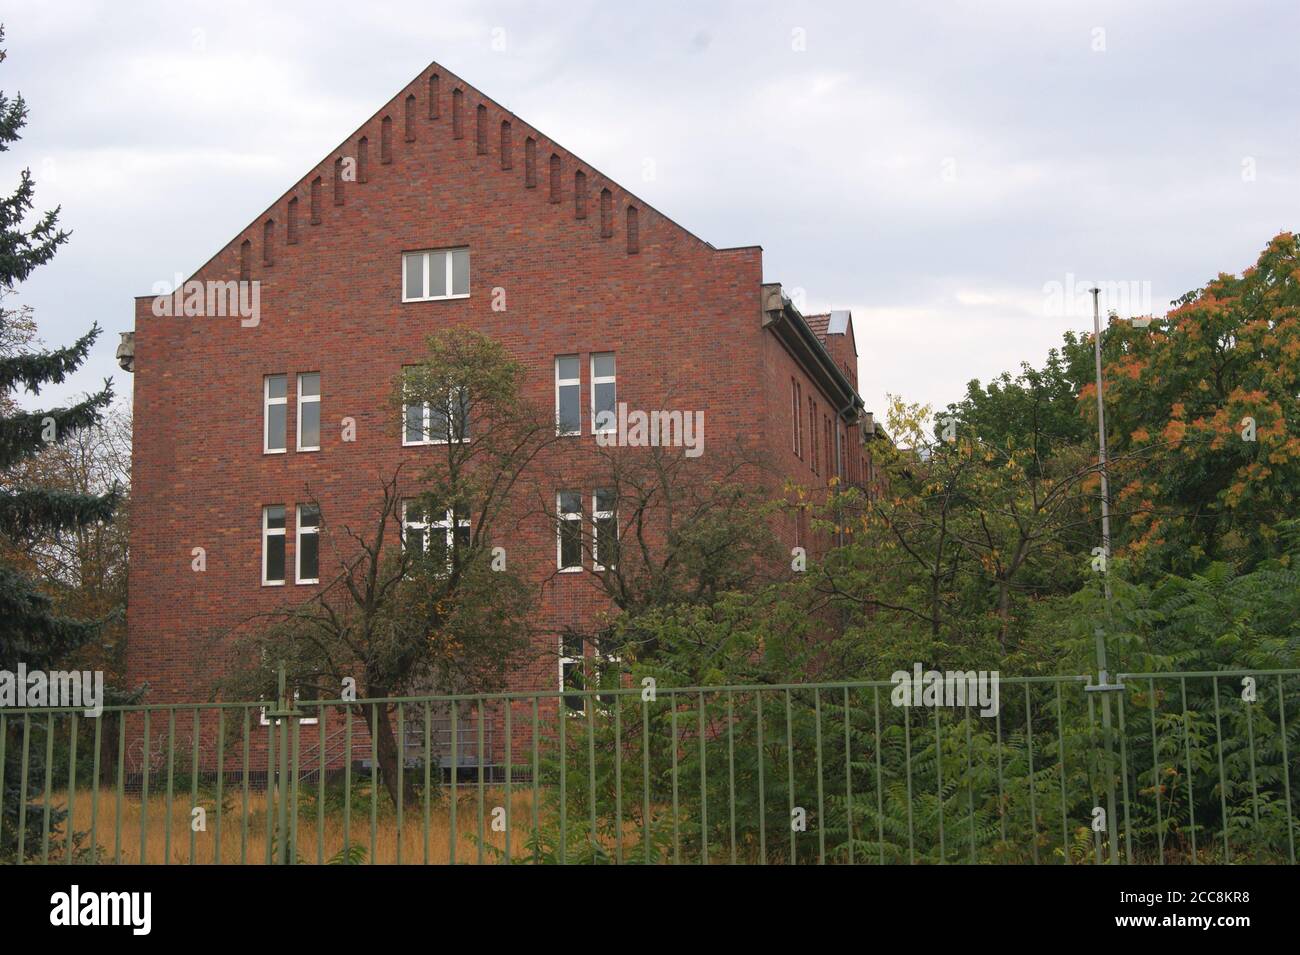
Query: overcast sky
(945, 170)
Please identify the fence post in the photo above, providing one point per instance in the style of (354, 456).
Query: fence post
(1104, 687)
(277, 792)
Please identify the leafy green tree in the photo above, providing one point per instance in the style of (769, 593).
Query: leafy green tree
(32, 629)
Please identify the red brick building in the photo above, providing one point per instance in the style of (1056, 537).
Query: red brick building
(438, 210)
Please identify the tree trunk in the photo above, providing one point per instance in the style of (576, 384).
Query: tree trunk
(388, 753)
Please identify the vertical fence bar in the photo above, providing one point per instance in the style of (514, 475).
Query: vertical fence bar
(821, 805)
(1191, 782)
(22, 789)
(997, 746)
(1286, 772)
(677, 841)
(1155, 772)
(401, 775)
(789, 759)
(295, 774)
(848, 779)
(970, 784)
(509, 757)
(121, 789)
(1033, 810)
(482, 707)
(72, 786)
(94, 789)
(731, 772)
(1223, 785)
(591, 713)
(49, 787)
(562, 725)
(1254, 783)
(762, 806)
(243, 816)
(645, 777)
(194, 779)
(880, 781)
(144, 790)
(907, 763)
(537, 829)
(221, 784)
(322, 768)
(428, 761)
(938, 763)
(704, 789)
(374, 781)
(283, 788)
(455, 781)
(1060, 741)
(270, 787)
(618, 782)
(347, 782)
(1123, 775)
(171, 783)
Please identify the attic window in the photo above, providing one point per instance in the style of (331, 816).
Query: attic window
(291, 224)
(435, 274)
(410, 118)
(315, 201)
(386, 140)
(268, 242)
(245, 248)
(338, 180)
(363, 159)
(633, 231)
(458, 114)
(480, 130)
(505, 144)
(555, 178)
(606, 213)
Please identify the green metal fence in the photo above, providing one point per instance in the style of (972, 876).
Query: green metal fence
(1195, 768)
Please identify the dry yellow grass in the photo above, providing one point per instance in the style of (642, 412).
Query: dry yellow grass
(235, 844)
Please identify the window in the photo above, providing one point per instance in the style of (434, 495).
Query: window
(604, 413)
(441, 538)
(796, 414)
(309, 412)
(425, 422)
(569, 542)
(437, 274)
(275, 405)
(568, 390)
(307, 546)
(604, 530)
(812, 434)
(571, 676)
(273, 545)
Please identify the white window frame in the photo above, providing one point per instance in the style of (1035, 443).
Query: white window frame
(267, 402)
(309, 399)
(561, 518)
(565, 383)
(581, 662)
(297, 546)
(426, 425)
(265, 719)
(596, 517)
(267, 533)
(603, 380)
(426, 259)
(448, 525)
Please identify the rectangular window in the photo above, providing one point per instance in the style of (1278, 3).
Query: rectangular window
(307, 545)
(436, 274)
(604, 530)
(309, 412)
(604, 413)
(812, 434)
(441, 538)
(571, 675)
(273, 545)
(275, 409)
(569, 542)
(796, 410)
(568, 395)
(430, 422)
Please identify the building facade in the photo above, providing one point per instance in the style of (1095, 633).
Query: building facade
(442, 210)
